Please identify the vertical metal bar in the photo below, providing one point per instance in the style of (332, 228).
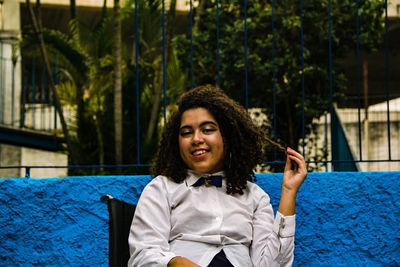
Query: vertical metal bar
(12, 93)
(42, 126)
(218, 78)
(27, 172)
(33, 91)
(191, 44)
(326, 143)
(387, 77)
(302, 76)
(22, 116)
(55, 83)
(273, 78)
(51, 104)
(163, 62)
(358, 78)
(2, 84)
(330, 79)
(245, 56)
(137, 84)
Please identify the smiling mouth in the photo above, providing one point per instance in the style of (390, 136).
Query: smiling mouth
(199, 153)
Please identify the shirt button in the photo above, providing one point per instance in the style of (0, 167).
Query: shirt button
(218, 219)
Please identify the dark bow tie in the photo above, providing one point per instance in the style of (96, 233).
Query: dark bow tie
(209, 180)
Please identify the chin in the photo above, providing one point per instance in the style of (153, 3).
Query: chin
(206, 170)
(201, 170)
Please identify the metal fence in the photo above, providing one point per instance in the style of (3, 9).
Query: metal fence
(345, 135)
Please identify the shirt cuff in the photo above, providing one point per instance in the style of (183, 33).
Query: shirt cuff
(167, 257)
(284, 226)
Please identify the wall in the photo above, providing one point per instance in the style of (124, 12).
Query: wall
(343, 219)
(374, 135)
(11, 155)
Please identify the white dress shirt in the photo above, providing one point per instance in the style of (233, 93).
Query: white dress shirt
(174, 219)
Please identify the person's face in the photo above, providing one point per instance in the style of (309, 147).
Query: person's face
(200, 141)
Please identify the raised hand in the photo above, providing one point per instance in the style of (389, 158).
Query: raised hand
(293, 176)
(295, 170)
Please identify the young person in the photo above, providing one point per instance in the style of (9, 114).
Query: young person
(202, 208)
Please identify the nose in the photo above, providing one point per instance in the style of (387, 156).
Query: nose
(197, 138)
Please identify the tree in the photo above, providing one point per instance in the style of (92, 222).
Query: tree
(86, 81)
(286, 43)
(117, 84)
(72, 8)
(37, 26)
(150, 47)
(86, 74)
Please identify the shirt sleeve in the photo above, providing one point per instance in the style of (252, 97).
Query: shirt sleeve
(273, 238)
(150, 229)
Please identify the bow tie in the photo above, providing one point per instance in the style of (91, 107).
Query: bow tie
(209, 180)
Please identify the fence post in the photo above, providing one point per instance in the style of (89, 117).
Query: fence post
(22, 119)
(27, 172)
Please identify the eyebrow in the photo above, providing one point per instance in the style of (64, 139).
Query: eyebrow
(201, 124)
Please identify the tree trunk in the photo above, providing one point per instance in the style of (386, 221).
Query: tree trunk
(99, 140)
(156, 107)
(157, 95)
(37, 25)
(72, 9)
(117, 86)
(200, 11)
(80, 114)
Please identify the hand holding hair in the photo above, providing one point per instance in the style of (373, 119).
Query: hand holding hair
(294, 174)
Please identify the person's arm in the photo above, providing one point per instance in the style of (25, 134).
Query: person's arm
(294, 174)
(149, 235)
(150, 230)
(273, 238)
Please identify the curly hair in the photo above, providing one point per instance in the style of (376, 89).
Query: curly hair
(243, 140)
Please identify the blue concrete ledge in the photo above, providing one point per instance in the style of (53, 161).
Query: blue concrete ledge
(343, 219)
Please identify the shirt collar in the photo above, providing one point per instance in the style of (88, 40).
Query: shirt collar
(193, 176)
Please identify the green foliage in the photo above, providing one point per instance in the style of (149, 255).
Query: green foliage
(86, 72)
(86, 84)
(150, 72)
(285, 41)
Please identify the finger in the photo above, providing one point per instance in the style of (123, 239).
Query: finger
(294, 153)
(288, 165)
(297, 155)
(300, 163)
(294, 165)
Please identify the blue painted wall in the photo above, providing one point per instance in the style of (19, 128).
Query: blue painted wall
(343, 219)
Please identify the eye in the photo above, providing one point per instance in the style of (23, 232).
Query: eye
(209, 130)
(185, 132)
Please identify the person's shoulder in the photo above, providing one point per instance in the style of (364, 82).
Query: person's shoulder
(255, 190)
(159, 186)
(164, 182)
(159, 180)
(253, 187)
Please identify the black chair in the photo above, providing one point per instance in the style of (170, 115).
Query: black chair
(120, 218)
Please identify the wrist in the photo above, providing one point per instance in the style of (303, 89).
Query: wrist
(288, 202)
(290, 193)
